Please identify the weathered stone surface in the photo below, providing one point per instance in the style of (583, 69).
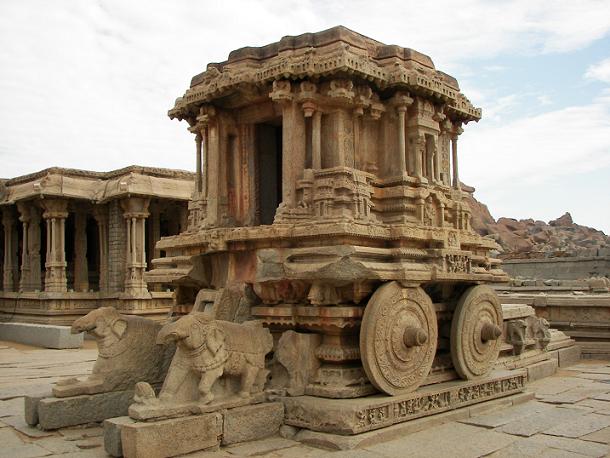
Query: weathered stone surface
(127, 353)
(252, 422)
(447, 440)
(112, 434)
(575, 446)
(504, 416)
(31, 407)
(167, 438)
(542, 369)
(585, 425)
(58, 445)
(540, 421)
(54, 413)
(575, 394)
(260, 447)
(25, 451)
(20, 425)
(358, 415)
(40, 335)
(602, 436)
(296, 354)
(569, 356)
(207, 349)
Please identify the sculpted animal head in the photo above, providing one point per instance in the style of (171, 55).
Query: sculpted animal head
(104, 322)
(192, 331)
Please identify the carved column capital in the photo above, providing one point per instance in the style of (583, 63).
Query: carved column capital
(281, 91)
(135, 207)
(54, 208)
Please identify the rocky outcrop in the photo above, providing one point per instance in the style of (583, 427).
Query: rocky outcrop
(528, 238)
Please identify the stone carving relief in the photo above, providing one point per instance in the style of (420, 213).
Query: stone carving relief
(127, 353)
(515, 335)
(457, 263)
(214, 359)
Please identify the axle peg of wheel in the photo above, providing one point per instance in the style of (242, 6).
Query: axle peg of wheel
(490, 331)
(414, 336)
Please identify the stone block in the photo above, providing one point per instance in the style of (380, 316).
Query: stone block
(353, 416)
(542, 369)
(167, 438)
(112, 435)
(30, 406)
(568, 356)
(252, 422)
(41, 335)
(54, 413)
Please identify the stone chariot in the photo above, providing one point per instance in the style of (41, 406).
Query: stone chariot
(328, 202)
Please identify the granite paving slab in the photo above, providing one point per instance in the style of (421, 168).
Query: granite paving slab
(571, 445)
(507, 415)
(18, 423)
(585, 425)
(260, 447)
(556, 385)
(602, 436)
(574, 395)
(538, 422)
(446, 440)
(23, 451)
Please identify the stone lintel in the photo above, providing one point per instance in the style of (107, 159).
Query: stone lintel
(352, 416)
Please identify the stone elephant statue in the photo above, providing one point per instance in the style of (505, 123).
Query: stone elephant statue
(213, 348)
(127, 353)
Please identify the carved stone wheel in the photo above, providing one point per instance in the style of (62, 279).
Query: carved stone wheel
(476, 328)
(398, 338)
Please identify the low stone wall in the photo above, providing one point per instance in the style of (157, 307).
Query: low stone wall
(63, 308)
(40, 335)
(567, 268)
(583, 317)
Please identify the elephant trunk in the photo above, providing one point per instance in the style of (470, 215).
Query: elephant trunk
(169, 333)
(83, 324)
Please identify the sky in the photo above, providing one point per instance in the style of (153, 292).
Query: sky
(87, 84)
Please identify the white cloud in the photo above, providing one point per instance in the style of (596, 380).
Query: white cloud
(599, 71)
(87, 84)
(520, 157)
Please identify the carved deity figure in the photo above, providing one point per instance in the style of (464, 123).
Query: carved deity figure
(127, 353)
(213, 348)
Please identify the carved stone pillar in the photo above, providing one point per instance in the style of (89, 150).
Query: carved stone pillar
(30, 256)
(10, 272)
(316, 140)
(293, 140)
(454, 156)
(402, 102)
(81, 269)
(55, 214)
(293, 150)
(135, 212)
(420, 150)
(155, 229)
(24, 217)
(437, 163)
(100, 213)
(402, 143)
(199, 170)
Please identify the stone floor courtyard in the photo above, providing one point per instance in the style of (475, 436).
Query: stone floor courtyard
(567, 415)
